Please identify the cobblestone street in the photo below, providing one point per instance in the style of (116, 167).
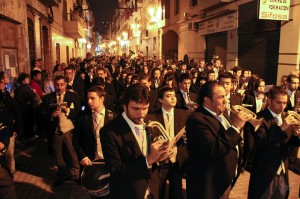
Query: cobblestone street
(38, 173)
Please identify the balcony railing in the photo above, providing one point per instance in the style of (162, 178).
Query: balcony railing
(75, 26)
(50, 2)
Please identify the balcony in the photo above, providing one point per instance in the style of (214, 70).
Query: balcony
(212, 4)
(74, 27)
(50, 2)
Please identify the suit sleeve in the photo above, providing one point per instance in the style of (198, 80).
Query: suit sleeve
(214, 145)
(76, 139)
(119, 169)
(268, 135)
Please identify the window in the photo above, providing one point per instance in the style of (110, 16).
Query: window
(193, 3)
(176, 7)
(57, 47)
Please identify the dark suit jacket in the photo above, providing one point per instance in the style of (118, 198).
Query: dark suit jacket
(46, 110)
(129, 173)
(212, 155)
(79, 87)
(289, 104)
(250, 99)
(84, 141)
(10, 113)
(271, 148)
(180, 100)
(235, 99)
(180, 117)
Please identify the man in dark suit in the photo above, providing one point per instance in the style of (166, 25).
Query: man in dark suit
(269, 176)
(86, 140)
(212, 145)
(153, 103)
(109, 87)
(226, 79)
(173, 120)
(75, 83)
(183, 95)
(61, 109)
(129, 155)
(182, 68)
(292, 84)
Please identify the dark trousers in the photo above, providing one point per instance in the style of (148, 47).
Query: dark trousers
(278, 188)
(7, 188)
(61, 142)
(172, 173)
(249, 151)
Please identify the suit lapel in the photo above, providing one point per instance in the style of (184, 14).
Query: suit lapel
(128, 136)
(90, 124)
(176, 122)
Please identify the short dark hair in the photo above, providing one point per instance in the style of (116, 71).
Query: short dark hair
(226, 75)
(97, 89)
(236, 69)
(137, 93)
(163, 90)
(145, 77)
(275, 90)
(207, 90)
(70, 67)
(22, 77)
(98, 81)
(59, 77)
(290, 77)
(184, 76)
(35, 73)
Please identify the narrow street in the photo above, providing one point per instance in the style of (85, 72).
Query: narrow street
(37, 176)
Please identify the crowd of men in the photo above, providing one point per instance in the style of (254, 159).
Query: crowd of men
(118, 109)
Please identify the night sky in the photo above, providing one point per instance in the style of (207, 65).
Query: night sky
(103, 11)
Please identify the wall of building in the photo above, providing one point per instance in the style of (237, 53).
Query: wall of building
(289, 50)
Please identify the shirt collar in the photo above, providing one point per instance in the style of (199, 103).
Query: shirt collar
(170, 113)
(131, 124)
(274, 114)
(101, 113)
(211, 112)
(289, 92)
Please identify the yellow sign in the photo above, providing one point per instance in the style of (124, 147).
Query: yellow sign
(274, 10)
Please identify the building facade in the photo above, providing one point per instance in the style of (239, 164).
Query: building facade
(194, 29)
(51, 30)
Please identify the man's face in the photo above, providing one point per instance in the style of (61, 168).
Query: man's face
(217, 102)
(145, 82)
(128, 79)
(38, 77)
(60, 86)
(217, 63)
(226, 82)
(156, 74)
(261, 87)
(183, 67)
(211, 77)
(278, 104)
(101, 73)
(94, 100)
(185, 85)
(69, 74)
(169, 99)
(136, 112)
(293, 85)
(201, 64)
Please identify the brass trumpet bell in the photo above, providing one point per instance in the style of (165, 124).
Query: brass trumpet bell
(253, 121)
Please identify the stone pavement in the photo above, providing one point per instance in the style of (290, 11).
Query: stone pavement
(37, 174)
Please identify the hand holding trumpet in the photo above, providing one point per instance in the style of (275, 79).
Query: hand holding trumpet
(158, 152)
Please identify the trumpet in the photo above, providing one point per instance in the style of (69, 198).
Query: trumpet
(164, 137)
(297, 117)
(255, 122)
